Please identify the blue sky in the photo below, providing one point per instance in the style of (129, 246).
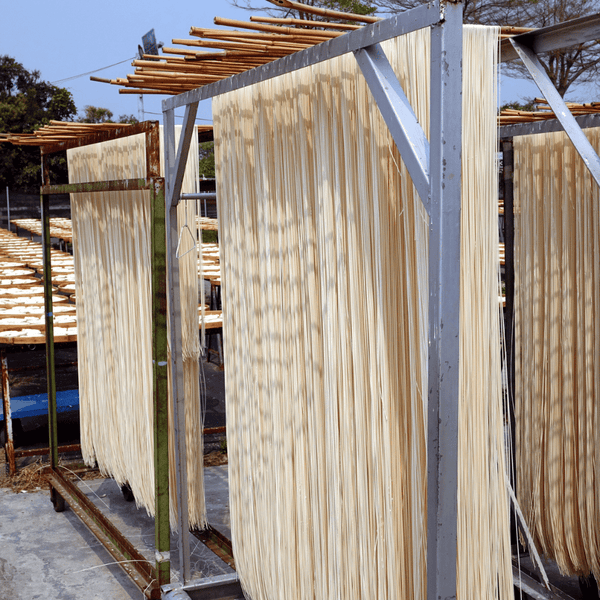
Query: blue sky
(66, 38)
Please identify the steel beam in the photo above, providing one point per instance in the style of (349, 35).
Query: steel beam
(401, 24)
(444, 302)
(176, 363)
(545, 126)
(555, 37)
(562, 112)
(398, 115)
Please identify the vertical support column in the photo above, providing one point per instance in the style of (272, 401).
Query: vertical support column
(444, 302)
(9, 447)
(49, 317)
(159, 358)
(176, 363)
(509, 282)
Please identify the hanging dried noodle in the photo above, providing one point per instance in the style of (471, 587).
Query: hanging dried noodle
(324, 258)
(113, 273)
(557, 348)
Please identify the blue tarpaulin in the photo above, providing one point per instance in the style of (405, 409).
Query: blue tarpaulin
(37, 404)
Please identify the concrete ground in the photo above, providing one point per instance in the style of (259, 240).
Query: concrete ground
(49, 555)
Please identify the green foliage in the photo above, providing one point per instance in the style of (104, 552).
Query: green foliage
(127, 119)
(209, 237)
(95, 114)
(207, 159)
(26, 104)
(528, 104)
(352, 6)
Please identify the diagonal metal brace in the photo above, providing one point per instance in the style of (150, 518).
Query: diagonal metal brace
(562, 112)
(178, 169)
(398, 115)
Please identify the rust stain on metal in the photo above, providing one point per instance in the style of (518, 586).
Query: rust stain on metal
(45, 451)
(211, 430)
(95, 138)
(9, 446)
(153, 152)
(216, 542)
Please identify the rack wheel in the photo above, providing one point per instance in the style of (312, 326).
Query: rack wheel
(588, 587)
(127, 493)
(57, 500)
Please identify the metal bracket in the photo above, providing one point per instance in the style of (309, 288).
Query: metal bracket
(562, 112)
(177, 166)
(398, 115)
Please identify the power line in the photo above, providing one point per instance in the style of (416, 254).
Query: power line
(90, 72)
(147, 112)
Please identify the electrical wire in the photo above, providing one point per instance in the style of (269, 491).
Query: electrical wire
(91, 72)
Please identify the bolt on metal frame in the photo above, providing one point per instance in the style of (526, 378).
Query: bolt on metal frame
(149, 578)
(435, 168)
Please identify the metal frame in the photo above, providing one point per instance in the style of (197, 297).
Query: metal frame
(149, 578)
(436, 171)
(527, 47)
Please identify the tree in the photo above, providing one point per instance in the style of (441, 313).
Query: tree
(131, 119)
(207, 159)
(578, 64)
(351, 6)
(95, 114)
(27, 103)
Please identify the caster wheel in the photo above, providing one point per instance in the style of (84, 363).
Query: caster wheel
(127, 493)
(588, 587)
(57, 500)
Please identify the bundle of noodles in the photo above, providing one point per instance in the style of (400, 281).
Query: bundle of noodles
(557, 348)
(324, 259)
(111, 241)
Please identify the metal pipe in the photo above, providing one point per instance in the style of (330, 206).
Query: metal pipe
(9, 446)
(49, 317)
(199, 196)
(176, 594)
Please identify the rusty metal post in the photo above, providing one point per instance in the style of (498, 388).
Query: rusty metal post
(9, 447)
(159, 359)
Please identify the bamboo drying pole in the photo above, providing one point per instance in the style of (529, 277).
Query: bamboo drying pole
(304, 23)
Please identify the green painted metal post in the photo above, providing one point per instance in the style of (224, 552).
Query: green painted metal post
(49, 317)
(160, 366)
